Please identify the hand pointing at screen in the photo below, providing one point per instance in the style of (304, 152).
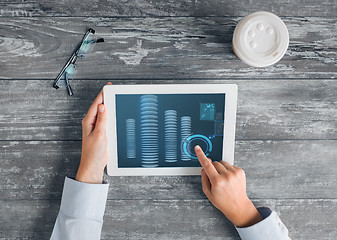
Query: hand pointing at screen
(225, 186)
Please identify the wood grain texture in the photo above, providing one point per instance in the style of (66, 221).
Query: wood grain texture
(286, 122)
(274, 169)
(159, 48)
(267, 109)
(146, 8)
(170, 219)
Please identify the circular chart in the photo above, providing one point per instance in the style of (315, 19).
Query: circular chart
(197, 139)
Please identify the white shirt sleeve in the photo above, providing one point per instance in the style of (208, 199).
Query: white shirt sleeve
(270, 228)
(83, 205)
(81, 212)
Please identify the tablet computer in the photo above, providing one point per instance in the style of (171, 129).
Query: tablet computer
(153, 129)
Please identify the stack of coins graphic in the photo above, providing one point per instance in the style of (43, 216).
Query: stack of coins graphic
(131, 138)
(149, 130)
(170, 136)
(185, 133)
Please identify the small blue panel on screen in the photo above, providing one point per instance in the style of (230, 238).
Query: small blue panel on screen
(207, 111)
(161, 130)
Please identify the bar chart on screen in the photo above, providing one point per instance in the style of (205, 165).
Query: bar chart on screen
(161, 130)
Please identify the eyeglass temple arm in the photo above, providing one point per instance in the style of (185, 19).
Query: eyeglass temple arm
(70, 91)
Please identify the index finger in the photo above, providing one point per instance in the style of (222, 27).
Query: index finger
(206, 163)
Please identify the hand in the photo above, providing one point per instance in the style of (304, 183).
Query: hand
(225, 186)
(94, 156)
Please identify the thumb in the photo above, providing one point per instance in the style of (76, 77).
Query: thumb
(102, 118)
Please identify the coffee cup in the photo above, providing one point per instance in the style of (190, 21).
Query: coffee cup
(260, 39)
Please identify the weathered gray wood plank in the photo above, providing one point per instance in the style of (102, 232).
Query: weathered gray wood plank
(165, 8)
(170, 219)
(267, 109)
(159, 48)
(274, 169)
(286, 127)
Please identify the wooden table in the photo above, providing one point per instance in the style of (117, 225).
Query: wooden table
(286, 121)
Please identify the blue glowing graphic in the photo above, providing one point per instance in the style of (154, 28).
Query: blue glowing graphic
(207, 111)
(131, 138)
(186, 145)
(185, 132)
(171, 136)
(161, 130)
(149, 130)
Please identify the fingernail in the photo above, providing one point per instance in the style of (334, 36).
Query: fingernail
(197, 147)
(101, 108)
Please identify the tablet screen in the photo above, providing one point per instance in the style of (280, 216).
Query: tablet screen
(161, 130)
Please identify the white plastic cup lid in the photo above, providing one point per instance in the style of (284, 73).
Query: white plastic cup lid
(260, 39)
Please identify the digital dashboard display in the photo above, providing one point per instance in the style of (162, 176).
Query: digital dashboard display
(161, 130)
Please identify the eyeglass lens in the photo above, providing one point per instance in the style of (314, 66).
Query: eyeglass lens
(87, 46)
(68, 75)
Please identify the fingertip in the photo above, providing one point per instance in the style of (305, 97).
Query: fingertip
(201, 156)
(109, 83)
(101, 108)
(198, 150)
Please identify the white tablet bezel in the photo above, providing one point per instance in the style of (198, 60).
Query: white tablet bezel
(109, 92)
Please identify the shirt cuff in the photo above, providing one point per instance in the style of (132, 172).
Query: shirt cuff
(89, 199)
(271, 227)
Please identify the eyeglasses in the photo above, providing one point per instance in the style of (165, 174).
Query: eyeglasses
(69, 70)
